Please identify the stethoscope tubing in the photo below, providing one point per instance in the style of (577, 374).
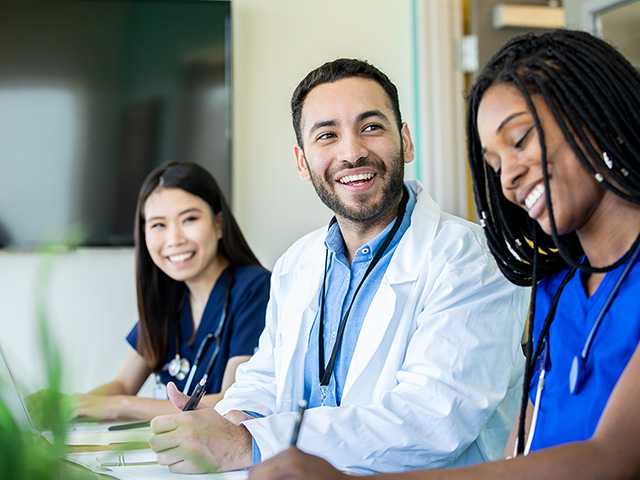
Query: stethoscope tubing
(205, 341)
(574, 381)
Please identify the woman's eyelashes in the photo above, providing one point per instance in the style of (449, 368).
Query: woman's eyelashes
(156, 225)
(191, 218)
(520, 144)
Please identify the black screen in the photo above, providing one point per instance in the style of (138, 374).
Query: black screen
(93, 95)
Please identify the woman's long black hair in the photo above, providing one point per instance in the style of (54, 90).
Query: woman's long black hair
(593, 93)
(159, 296)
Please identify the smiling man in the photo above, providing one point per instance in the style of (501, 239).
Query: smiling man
(393, 323)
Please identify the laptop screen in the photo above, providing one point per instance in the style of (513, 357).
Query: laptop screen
(10, 393)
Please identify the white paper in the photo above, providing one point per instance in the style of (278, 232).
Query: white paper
(150, 472)
(106, 437)
(91, 460)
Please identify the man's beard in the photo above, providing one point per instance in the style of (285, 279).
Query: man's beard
(364, 213)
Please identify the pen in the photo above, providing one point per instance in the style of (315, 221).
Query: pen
(302, 406)
(196, 396)
(129, 426)
(191, 404)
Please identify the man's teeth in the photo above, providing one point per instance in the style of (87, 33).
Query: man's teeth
(356, 178)
(180, 258)
(534, 196)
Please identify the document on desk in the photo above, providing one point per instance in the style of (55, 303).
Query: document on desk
(99, 434)
(140, 465)
(153, 472)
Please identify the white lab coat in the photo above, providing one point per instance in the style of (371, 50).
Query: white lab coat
(436, 372)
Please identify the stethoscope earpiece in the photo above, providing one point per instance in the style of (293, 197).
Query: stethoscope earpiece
(179, 367)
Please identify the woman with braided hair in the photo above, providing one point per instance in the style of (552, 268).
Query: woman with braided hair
(554, 149)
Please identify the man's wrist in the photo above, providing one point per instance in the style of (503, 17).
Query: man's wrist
(236, 416)
(239, 453)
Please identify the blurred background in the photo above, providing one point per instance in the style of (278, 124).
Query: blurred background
(95, 93)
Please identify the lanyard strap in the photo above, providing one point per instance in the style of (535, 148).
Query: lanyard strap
(326, 372)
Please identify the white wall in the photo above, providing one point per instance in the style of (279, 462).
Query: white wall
(90, 308)
(275, 44)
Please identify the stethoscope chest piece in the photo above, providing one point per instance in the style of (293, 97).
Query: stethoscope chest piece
(576, 375)
(179, 367)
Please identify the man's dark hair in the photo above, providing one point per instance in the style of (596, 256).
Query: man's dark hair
(332, 72)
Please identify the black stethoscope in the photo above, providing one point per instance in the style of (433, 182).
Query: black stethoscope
(179, 366)
(577, 373)
(324, 373)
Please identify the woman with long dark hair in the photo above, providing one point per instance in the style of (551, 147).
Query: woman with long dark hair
(554, 148)
(201, 291)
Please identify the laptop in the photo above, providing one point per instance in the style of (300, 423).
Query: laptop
(10, 394)
(80, 433)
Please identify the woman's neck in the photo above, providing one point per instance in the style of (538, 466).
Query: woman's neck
(610, 231)
(200, 287)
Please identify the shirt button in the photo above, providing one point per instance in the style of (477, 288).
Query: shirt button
(365, 250)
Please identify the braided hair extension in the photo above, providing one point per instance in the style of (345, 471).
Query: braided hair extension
(593, 93)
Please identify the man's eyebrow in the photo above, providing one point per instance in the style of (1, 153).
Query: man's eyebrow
(372, 113)
(322, 123)
(508, 119)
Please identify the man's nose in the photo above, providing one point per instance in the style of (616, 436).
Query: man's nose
(352, 149)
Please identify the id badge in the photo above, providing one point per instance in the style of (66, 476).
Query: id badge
(324, 391)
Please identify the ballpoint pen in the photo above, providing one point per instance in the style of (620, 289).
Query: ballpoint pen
(197, 395)
(302, 406)
(191, 404)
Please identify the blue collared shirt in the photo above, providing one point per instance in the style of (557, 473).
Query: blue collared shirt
(343, 279)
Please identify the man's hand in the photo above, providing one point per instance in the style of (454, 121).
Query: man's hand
(292, 464)
(199, 441)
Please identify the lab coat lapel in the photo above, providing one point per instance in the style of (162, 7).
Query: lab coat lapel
(405, 266)
(375, 326)
(298, 313)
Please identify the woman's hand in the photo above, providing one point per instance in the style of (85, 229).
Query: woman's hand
(98, 407)
(292, 464)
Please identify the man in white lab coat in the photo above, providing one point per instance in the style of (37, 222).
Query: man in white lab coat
(393, 323)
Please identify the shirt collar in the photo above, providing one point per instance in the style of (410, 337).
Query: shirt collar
(336, 246)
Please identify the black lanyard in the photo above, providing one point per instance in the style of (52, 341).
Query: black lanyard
(325, 373)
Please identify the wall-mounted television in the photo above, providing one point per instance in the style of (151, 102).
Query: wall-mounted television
(96, 93)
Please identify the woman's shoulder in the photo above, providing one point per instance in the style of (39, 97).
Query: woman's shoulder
(251, 276)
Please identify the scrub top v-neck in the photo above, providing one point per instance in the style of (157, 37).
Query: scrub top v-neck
(240, 332)
(566, 417)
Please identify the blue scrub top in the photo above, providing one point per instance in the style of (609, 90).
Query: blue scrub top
(240, 333)
(564, 417)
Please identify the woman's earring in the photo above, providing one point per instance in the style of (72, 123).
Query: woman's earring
(607, 161)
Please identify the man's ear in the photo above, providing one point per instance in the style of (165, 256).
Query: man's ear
(407, 144)
(301, 162)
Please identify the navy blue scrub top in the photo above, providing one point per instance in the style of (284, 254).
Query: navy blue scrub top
(240, 333)
(564, 417)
